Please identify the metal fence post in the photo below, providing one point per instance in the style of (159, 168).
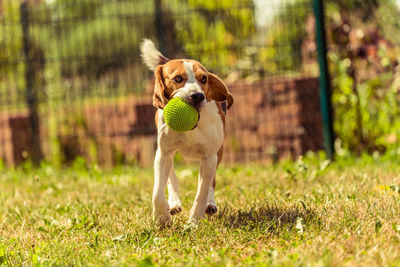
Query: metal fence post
(325, 88)
(160, 27)
(31, 94)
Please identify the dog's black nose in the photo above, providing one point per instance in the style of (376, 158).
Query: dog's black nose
(197, 98)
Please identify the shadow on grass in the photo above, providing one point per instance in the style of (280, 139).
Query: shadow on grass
(271, 216)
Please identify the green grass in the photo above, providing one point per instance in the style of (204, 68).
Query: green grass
(306, 213)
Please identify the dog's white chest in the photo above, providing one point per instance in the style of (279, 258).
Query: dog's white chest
(206, 139)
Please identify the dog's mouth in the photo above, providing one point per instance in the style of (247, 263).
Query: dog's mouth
(197, 105)
(195, 98)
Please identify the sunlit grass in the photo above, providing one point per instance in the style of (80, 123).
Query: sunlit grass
(307, 212)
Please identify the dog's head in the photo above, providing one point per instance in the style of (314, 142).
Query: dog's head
(186, 79)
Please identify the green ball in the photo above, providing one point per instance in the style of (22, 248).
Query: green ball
(179, 115)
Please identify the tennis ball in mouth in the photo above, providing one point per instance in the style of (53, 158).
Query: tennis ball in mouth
(179, 115)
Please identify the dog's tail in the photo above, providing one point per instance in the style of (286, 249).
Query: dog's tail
(150, 55)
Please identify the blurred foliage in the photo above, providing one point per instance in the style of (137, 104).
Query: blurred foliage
(363, 55)
(10, 35)
(209, 26)
(11, 50)
(364, 44)
(91, 31)
(286, 35)
(213, 32)
(84, 42)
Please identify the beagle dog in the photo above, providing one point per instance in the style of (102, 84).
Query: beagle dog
(190, 81)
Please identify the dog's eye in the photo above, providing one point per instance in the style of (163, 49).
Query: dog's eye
(204, 79)
(178, 79)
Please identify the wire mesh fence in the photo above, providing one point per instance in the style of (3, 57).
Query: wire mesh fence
(72, 82)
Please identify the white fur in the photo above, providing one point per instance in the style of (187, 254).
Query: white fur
(191, 86)
(201, 144)
(150, 55)
(189, 70)
(211, 200)
(173, 192)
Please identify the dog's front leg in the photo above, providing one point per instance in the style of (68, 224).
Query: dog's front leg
(173, 193)
(162, 167)
(208, 168)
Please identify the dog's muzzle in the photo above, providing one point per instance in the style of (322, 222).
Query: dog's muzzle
(197, 99)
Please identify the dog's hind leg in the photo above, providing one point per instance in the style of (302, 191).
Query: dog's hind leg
(174, 202)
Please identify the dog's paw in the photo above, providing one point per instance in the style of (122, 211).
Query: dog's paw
(162, 217)
(174, 203)
(175, 210)
(163, 221)
(211, 209)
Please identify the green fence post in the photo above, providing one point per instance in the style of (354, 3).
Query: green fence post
(324, 81)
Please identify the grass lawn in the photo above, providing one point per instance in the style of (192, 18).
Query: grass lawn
(299, 213)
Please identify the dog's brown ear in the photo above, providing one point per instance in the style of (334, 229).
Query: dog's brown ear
(160, 97)
(218, 91)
